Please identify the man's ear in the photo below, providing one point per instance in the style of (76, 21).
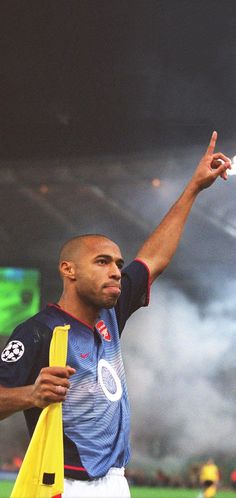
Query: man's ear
(67, 269)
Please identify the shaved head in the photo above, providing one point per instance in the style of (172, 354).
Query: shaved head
(70, 250)
(90, 267)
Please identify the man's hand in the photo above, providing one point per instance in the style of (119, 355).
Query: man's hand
(158, 250)
(212, 165)
(51, 385)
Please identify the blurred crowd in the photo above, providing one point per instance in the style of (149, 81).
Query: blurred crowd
(195, 477)
(11, 464)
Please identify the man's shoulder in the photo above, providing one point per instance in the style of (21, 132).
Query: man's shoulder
(136, 283)
(38, 324)
(42, 324)
(135, 289)
(136, 266)
(26, 352)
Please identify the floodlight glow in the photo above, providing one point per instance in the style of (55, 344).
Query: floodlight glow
(156, 182)
(232, 171)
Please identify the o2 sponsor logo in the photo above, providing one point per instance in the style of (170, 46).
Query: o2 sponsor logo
(109, 381)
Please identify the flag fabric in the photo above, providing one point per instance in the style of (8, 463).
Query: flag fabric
(42, 472)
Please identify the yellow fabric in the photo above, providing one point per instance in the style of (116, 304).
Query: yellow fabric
(210, 492)
(45, 451)
(209, 472)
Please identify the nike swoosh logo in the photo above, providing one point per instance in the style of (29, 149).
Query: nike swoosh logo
(84, 355)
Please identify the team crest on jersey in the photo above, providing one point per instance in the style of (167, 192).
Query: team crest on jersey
(13, 352)
(103, 330)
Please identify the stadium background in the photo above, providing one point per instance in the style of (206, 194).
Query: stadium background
(99, 99)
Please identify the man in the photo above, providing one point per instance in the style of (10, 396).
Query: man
(209, 479)
(96, 302)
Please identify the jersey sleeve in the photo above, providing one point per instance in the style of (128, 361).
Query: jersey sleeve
(26, 352)
(135, 291)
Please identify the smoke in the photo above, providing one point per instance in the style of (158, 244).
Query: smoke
(180, 373)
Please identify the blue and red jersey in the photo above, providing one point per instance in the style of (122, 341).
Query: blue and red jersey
(96, 415)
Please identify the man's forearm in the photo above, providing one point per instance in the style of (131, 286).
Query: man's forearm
(14, 399)
(160, 247)
(51, 386)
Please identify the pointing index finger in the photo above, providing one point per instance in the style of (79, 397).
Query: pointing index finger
(212, 143)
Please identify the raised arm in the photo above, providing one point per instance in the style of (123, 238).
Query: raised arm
(158, 250)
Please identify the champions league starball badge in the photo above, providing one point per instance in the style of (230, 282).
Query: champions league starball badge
(13, 352)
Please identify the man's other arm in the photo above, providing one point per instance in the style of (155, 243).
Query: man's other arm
(158, 250)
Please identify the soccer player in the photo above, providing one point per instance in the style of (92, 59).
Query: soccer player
(98, 297)
(209, 479)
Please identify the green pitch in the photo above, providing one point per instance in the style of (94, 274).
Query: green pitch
(6, 487)
(173, 493)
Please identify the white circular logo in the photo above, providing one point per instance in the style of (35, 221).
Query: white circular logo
(109, 380)
(13, 351)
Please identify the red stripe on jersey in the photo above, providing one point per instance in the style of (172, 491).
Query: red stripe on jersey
(73, 316)
(73, 467)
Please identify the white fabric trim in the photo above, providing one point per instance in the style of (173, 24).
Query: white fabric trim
(112, 485)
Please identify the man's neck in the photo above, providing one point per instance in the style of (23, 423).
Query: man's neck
(81, 311)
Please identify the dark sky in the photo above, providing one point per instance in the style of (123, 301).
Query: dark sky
(106, 75)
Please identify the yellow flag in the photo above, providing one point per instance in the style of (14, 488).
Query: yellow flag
(42, 472)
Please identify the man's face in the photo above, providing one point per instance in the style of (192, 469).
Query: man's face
(97, 265)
